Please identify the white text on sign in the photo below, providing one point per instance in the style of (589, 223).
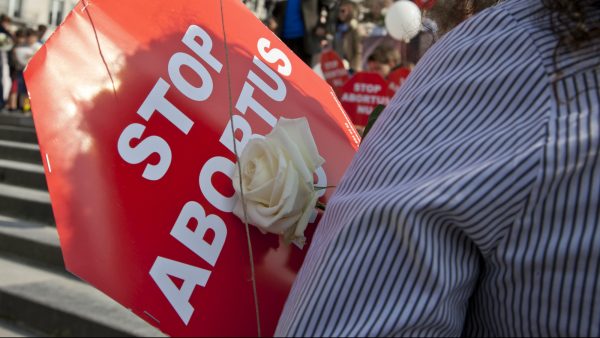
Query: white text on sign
(199, 58)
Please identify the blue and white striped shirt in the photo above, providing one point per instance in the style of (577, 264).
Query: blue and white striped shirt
(473, 207)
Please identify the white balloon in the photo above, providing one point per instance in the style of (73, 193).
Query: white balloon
(403, 20)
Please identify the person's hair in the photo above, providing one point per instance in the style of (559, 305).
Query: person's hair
(569, 14)
(571, 23)
(20, 33)
(353, 6)
(574, 30)
(41, 31)
(5, 18)
(449, 13)
(385, 55)
(30, 32)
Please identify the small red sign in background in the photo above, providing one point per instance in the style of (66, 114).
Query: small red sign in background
(333, 70)
(362, 93)
(397, 77)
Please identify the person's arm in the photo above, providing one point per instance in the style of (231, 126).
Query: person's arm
(355, 62)
(331, 10)
(436, 185)
(22, 57)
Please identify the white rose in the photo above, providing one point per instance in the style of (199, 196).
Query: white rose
(277, 176)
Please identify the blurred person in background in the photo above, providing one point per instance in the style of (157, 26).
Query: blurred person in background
(26, 46)
(33, 41)
(6, 46)
(347, 41)
(5, 25)
(376, 36)
(374, 20)
(420, 44)
(383, 59)
(17, 64)
(300, 24)
(41, 33)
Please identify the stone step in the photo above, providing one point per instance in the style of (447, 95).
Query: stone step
(15, 119)
(58, 305)
(11, 330)
(25, 203)
(23, 174)
(36, 243)
(18, 134)
(19, 151)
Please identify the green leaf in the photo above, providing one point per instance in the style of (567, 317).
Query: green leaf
(372, 118)
(324, 188)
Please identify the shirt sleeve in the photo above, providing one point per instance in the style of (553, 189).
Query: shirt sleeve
(22, 56)
(434, 188)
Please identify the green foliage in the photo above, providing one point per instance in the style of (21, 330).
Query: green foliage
(372, 118)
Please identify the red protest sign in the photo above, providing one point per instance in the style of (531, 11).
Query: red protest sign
(397, 78)
(132, 106)
(425, 4)
(362, 93)
(333, 69)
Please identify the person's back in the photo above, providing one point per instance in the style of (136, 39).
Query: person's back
(23, 53)
(473, 206)
(347, 41)
(26, 48)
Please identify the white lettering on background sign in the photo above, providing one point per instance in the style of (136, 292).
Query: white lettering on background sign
(199, 58)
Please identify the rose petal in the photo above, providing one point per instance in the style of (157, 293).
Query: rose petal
(278, 180)
(280, 176)
(298, 133)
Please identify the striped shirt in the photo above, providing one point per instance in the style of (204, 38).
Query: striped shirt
(473, 207)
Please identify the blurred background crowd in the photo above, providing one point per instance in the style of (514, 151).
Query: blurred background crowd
(356, 29)
(18, 44)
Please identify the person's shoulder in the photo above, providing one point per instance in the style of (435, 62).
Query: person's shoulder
(494, 32)
(503, 19)
(482, 54)
(23, 51)
(36, 46)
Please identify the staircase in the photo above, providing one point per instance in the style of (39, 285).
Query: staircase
(37, 296)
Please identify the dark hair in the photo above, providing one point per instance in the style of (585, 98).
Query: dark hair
(570, 21)
(570, 14)
(21, 33)
(30, 32)
(573, 29)
(5, 18)
(449, 13)
(386, 55)
(353, 6)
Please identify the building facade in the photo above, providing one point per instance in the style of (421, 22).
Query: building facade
(35, 12)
